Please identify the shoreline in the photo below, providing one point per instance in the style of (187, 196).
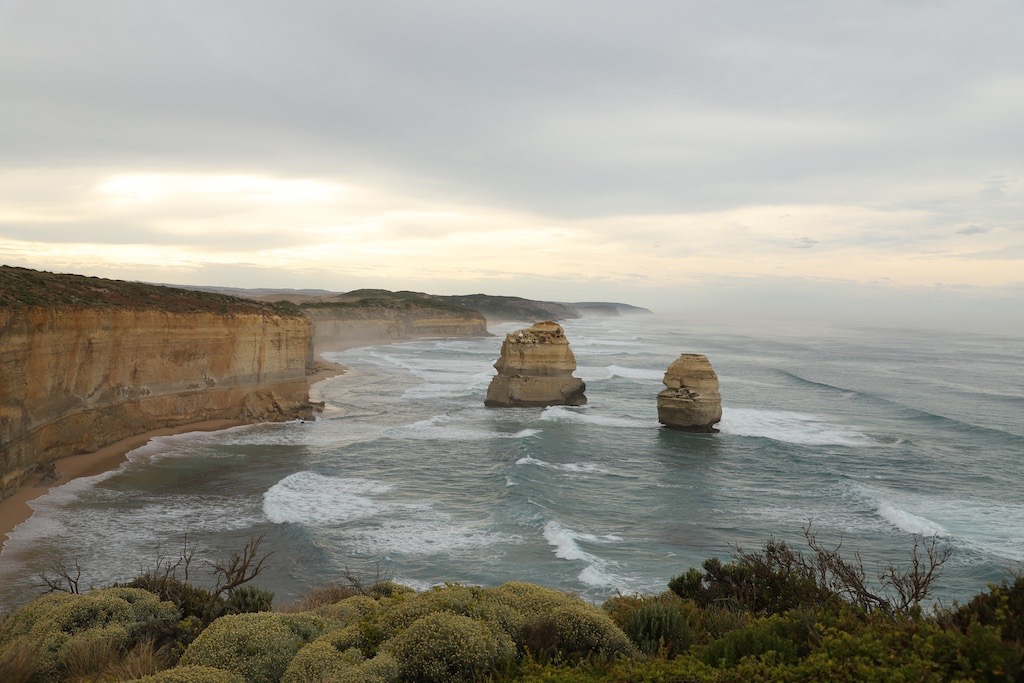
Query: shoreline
(16, 509)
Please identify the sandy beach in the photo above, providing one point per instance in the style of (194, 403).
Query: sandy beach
(16, 509)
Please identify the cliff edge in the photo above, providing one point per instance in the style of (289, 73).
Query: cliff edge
(85, 362)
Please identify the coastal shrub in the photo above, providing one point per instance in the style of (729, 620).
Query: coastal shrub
(193, 674)
(531, 600)
(771, 581)
(330, 594)
(389, 589)
(349, 610)
(661, 625)
(257, 646)
(910, 649)
(577, 631)
(248, 599)
(381, 669)
(468, 601)
(1001, 606)
(784, 637)
(191, 601)
(444, 647)
(657, 624)
(321, 661)
(59, 627)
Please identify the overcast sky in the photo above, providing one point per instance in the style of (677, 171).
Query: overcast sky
(861, 158)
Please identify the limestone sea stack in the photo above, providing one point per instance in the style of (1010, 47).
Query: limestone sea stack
(692, 401)
(535, 370)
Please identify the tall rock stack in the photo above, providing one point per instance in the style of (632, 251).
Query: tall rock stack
(535, 370)
(692, 401)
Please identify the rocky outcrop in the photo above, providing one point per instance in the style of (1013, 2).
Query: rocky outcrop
(535, 369)
(86, 362)
(339, 326)
(692, 401)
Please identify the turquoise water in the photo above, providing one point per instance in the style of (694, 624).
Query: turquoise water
(874, 434)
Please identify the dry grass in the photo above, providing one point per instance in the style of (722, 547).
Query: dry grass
(102, 659)
(18, 664)
(325, 595)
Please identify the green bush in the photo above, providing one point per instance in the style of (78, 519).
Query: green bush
(771, 581)
(389, 589)
(467, 601)
(785, 637)
(191, 601)
(445, 647)
(193, 674)
(349, 610)
(248, 599)
(321, 661)
(256, 646)
(661, 626)
(531, 600)
(381, 669)
(579, 631)
(60, 626)
(1001, 606)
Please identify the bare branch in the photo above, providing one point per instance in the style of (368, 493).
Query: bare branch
(65, 581)
(241, 566)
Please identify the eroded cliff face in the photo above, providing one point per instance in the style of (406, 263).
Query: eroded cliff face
(338, 327)
(73, 379)
(535, 370)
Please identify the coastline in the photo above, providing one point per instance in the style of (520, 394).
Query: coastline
(16, 509)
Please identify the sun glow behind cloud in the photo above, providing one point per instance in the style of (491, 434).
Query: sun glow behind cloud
(183, 223)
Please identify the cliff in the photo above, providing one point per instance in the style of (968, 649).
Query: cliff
(535, 369)
(342, 324)
(85, 362)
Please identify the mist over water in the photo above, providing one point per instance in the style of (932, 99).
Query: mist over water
(874, 434)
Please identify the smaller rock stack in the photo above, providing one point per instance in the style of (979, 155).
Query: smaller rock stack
(535, 370)
(692, 401)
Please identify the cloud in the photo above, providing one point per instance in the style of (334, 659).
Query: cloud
(974, 230)
(603, 143)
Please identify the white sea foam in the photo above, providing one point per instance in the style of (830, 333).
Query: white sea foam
(313, 499)
(598, 572)
(909, 522)
(430, 533)
(991, 528)
(593, 417)
(575, 467)
(599, 373)
(447, 428)
(789, 427)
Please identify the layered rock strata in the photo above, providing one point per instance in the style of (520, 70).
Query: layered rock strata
(535, 369)
(692, 400)
(76, 376)
(345, 326)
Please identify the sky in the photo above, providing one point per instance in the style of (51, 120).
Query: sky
(846, 160)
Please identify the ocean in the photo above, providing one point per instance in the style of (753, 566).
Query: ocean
(874, 436)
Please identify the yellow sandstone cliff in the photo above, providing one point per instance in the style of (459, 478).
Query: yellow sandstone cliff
(535, 370)
(86, 362)
(343, 326)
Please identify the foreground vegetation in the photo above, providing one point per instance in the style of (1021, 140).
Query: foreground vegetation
(772, 615)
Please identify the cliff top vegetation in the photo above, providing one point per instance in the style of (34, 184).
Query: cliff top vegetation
(777, 614)
(382, 298)
(22, 287)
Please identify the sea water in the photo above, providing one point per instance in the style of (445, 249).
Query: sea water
(875, 437)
